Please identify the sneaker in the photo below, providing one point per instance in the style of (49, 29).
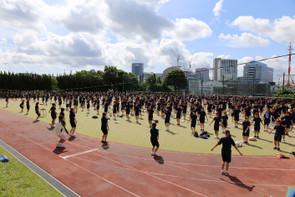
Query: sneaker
(153, 153)
(275, 148)
(258, 137)
(278, 149)
(226, 173)
(73, 135)
(222, 172)
(60, 145)
(216, 137)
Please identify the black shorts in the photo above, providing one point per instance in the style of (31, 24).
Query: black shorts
(246, 134)
(38, 113)
(167, 120)
(73, 124)
(155, 142)
(236, 118)
(266, 121)
(104, 131)
(202, 121)
(193, 124)
(277, 138)
(53, 116)
(150, 117)
(216, 127)
(224, 124)
(226, 157)
(257, 128)
(178, 116)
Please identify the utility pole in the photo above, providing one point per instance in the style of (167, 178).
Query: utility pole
(289, 66)
(283, 82)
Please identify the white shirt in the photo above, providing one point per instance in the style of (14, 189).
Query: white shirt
(59, 128)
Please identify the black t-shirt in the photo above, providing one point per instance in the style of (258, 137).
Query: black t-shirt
(226, 142)
(52, 109)
(257, 121)
(104, 123)
(245, 125)
(72, 116)
(202, 115)
(224, 119)
(154, 133)
(280, 130)
(217, 121)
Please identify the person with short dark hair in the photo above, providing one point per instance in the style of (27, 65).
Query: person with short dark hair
(193, 122)
(53, 113)
(280, 130)
(104, 128)
(216, 124)
(226, 142)
(154, 139)
(246, 129)
(73, 122)
(37, 110)
(257, 121)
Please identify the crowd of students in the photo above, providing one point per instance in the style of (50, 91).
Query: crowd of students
(256, 112)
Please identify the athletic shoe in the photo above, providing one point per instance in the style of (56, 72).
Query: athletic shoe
(216, 137)
(222, 172)
(60, 145)
(258, 137)
(275, 148)
(153, 154)
(102, 141)
(278, 149)
(226, 173)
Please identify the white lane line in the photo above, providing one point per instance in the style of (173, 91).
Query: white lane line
(110, 182)
(77, 154)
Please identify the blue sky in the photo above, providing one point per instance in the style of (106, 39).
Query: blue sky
(53, 36)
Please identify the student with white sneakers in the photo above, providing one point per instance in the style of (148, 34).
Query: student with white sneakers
(154, 139)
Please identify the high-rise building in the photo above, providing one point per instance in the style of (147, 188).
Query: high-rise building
(225, 69)
(137, 69)
(256, 72)
(202, 74)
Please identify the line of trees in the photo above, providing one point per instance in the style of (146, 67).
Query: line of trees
(109, 79)
(25, 81)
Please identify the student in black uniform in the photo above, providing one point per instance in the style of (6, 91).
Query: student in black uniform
(226, 142)
(28, 105)
(193, 122)
(22, 105)
(37, 110)
(246, 129)
(150, 112)
(154, 139)
(178, 114)
(104, 128)
(216, 124)
(224, 119)
(266, 120)
(280, 130)
(202, 116)
(128, 111)
(257, 121)
(167, 118)
(237, 116)
(7, 102)
(53, 113)
(73, 122)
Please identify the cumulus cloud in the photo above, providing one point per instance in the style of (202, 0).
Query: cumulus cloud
(281, 29)
(22, 15)
(244, 40)
(189, 29)
(218, 8)
(135, 21)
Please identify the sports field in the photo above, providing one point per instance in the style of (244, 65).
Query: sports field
(179, 138)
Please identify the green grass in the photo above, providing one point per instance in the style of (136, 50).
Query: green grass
(180, 140)
(18, 180)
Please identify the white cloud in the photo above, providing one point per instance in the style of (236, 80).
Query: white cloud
(134, 21)
(218, 8)
(281, 29)
(189, 29)
(244, 40)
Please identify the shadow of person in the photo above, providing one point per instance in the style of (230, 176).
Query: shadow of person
(159, 159)
(72, 138)
(171, 132)
(105, 146)
(239, 183)
(254, 145)
(35, 121)
(59, 150)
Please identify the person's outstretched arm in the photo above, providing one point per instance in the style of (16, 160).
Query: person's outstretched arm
(238, 150)
(214, 147)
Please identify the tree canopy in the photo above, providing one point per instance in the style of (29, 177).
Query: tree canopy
(177, 79)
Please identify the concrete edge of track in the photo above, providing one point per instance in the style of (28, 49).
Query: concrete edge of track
(56, 184)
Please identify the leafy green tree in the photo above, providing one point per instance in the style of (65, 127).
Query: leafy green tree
(177, 79)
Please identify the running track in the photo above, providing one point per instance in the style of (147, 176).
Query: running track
(121, 170)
